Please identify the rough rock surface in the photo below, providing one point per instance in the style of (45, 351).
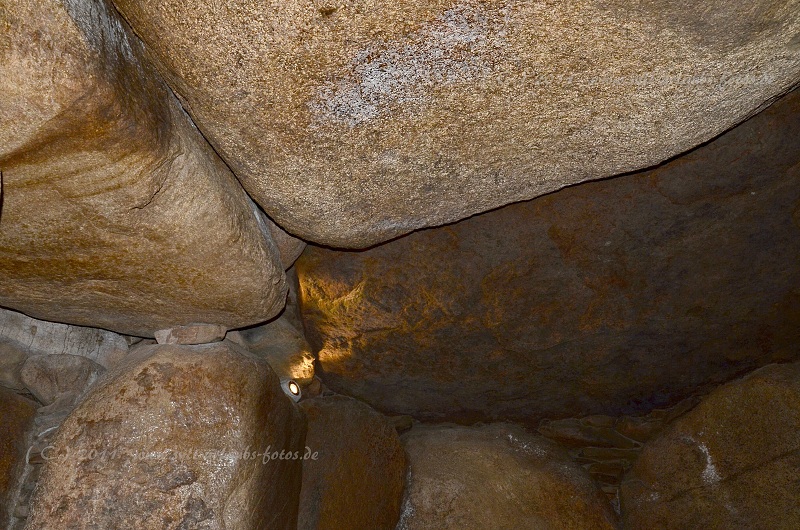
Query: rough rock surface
(606, 446)
(115, 213)
(57, 381)
(53, 377)
(289, 247)
(731, 462)
(497, 476)
(353, 122)
(167, 441)
(282, 345)
(16, 415)
(12, 357)
(191, 334)
(40, 337)
(357, 481)
(612, 297)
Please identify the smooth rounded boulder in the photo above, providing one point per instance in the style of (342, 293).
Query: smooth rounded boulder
(176, 437)
(351, 123)
(496, 476)
(731, 462)
(115, 211)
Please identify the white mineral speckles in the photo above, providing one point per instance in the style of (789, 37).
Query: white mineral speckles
(710, 473)
(457, 48)
(407, 509)
(527, 448)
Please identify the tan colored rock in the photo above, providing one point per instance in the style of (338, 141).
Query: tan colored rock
(612, 297)
(116, 213)
(731, 462)
(191, 334)
(283, 346)
(174, 439)
(289, 247)
(51, 377)
(16, 414)
(496, 476)
(40, 337)
(358, 478)
(354, 122)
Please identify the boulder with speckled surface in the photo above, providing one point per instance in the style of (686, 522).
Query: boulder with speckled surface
(731, 462)
(611, 297)
(353, 122)
(496, 476)
(116, 213)
(175, 437)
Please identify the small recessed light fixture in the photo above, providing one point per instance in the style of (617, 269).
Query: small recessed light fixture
(291, 389)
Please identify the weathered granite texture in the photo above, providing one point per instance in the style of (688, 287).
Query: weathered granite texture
(116, 213)
(610, 297)
(354, 122)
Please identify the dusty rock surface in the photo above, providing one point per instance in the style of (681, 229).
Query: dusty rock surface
(16, 414)
(731, 462)
(613, 297)
(357, 481)
(116, 213)
(58, 382)
(354, 122)
(174, 439)
(289, 247)
(496, 476)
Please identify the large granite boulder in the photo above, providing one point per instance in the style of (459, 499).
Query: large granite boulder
(176, 437)
(356, 478)
(731, 462)
(355, 122)
(116, 213)
(612, 297)
(496, 476)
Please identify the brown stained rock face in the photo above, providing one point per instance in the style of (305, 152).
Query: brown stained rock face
(358, 478)
(116, 213)
(731, 462)
(16, 416)
(355, 122)
(174, 439)
(497, 476)
(607, 298)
